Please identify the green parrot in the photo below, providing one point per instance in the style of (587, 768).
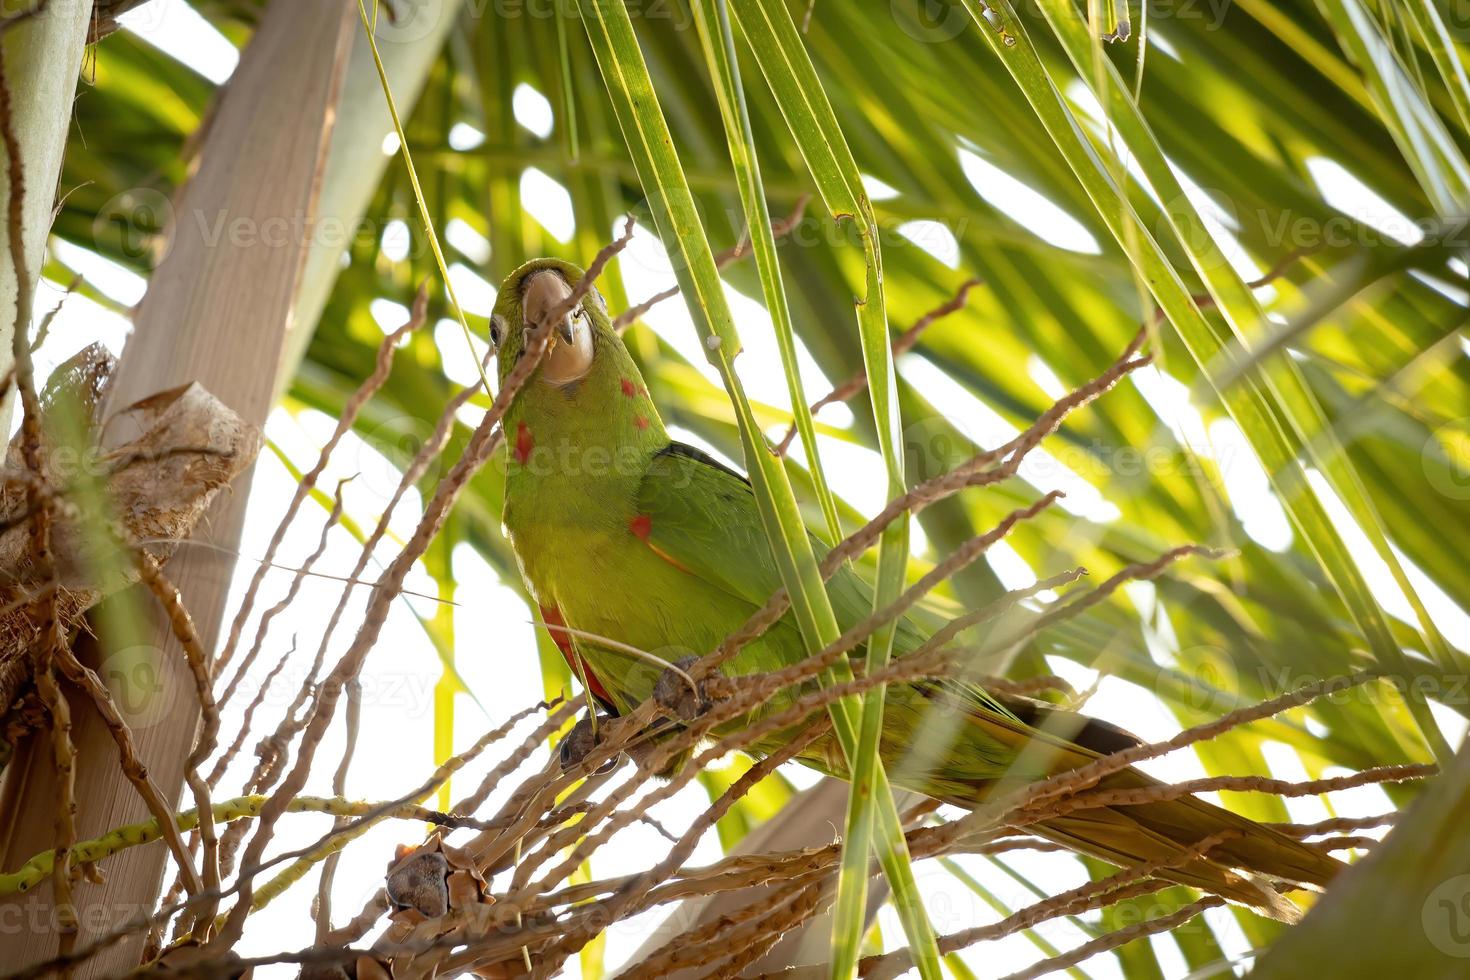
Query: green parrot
(624, 534)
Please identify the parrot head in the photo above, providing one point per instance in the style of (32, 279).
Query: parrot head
(527, 296)
(586, 395)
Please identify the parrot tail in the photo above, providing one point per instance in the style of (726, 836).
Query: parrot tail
(1116, 837)
(1243, 865)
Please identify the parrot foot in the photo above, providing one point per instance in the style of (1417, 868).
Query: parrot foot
(645, 751)
(677, 696)
(580, 742)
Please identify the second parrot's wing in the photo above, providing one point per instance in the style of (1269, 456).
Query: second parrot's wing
(701, 516)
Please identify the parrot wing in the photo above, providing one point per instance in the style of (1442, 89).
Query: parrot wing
(701, 516)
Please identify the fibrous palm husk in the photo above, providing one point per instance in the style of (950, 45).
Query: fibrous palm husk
(152, 490)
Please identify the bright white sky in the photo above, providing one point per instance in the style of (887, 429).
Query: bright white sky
(496, 645)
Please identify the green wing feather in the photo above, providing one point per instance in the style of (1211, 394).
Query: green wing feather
(702, 517)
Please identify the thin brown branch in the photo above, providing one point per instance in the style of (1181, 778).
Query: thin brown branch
(902, 344)
(1089, 775)
(198, 659)
(859, 632)
(760, 937)
(481, 444)
(366, 920)
(1125, 883)
(1137, 572)
(972, 473)
(353, 723)
(364, 393)
(690, 948)
(44, 329)
(132, 766)
(1242, 784)
(559, 713)
(1119, 938)
(428, 452)
(1347, 843)
(1278, 270)
(49, 643)
(729, 256)
(1334, 825)
(262, 630)
(626, 896)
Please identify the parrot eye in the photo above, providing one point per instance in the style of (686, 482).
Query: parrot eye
(497, 330)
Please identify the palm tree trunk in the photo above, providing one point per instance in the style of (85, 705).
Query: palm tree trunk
(43, 55)
(355, 164)
(218, 311)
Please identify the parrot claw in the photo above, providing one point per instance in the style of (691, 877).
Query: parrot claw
(646, 752)
(675, 695)
(579, 744)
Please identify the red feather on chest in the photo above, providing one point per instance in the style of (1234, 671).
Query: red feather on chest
(553, 618)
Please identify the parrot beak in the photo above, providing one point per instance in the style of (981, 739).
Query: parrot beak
(570, 356)
(542, 293)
